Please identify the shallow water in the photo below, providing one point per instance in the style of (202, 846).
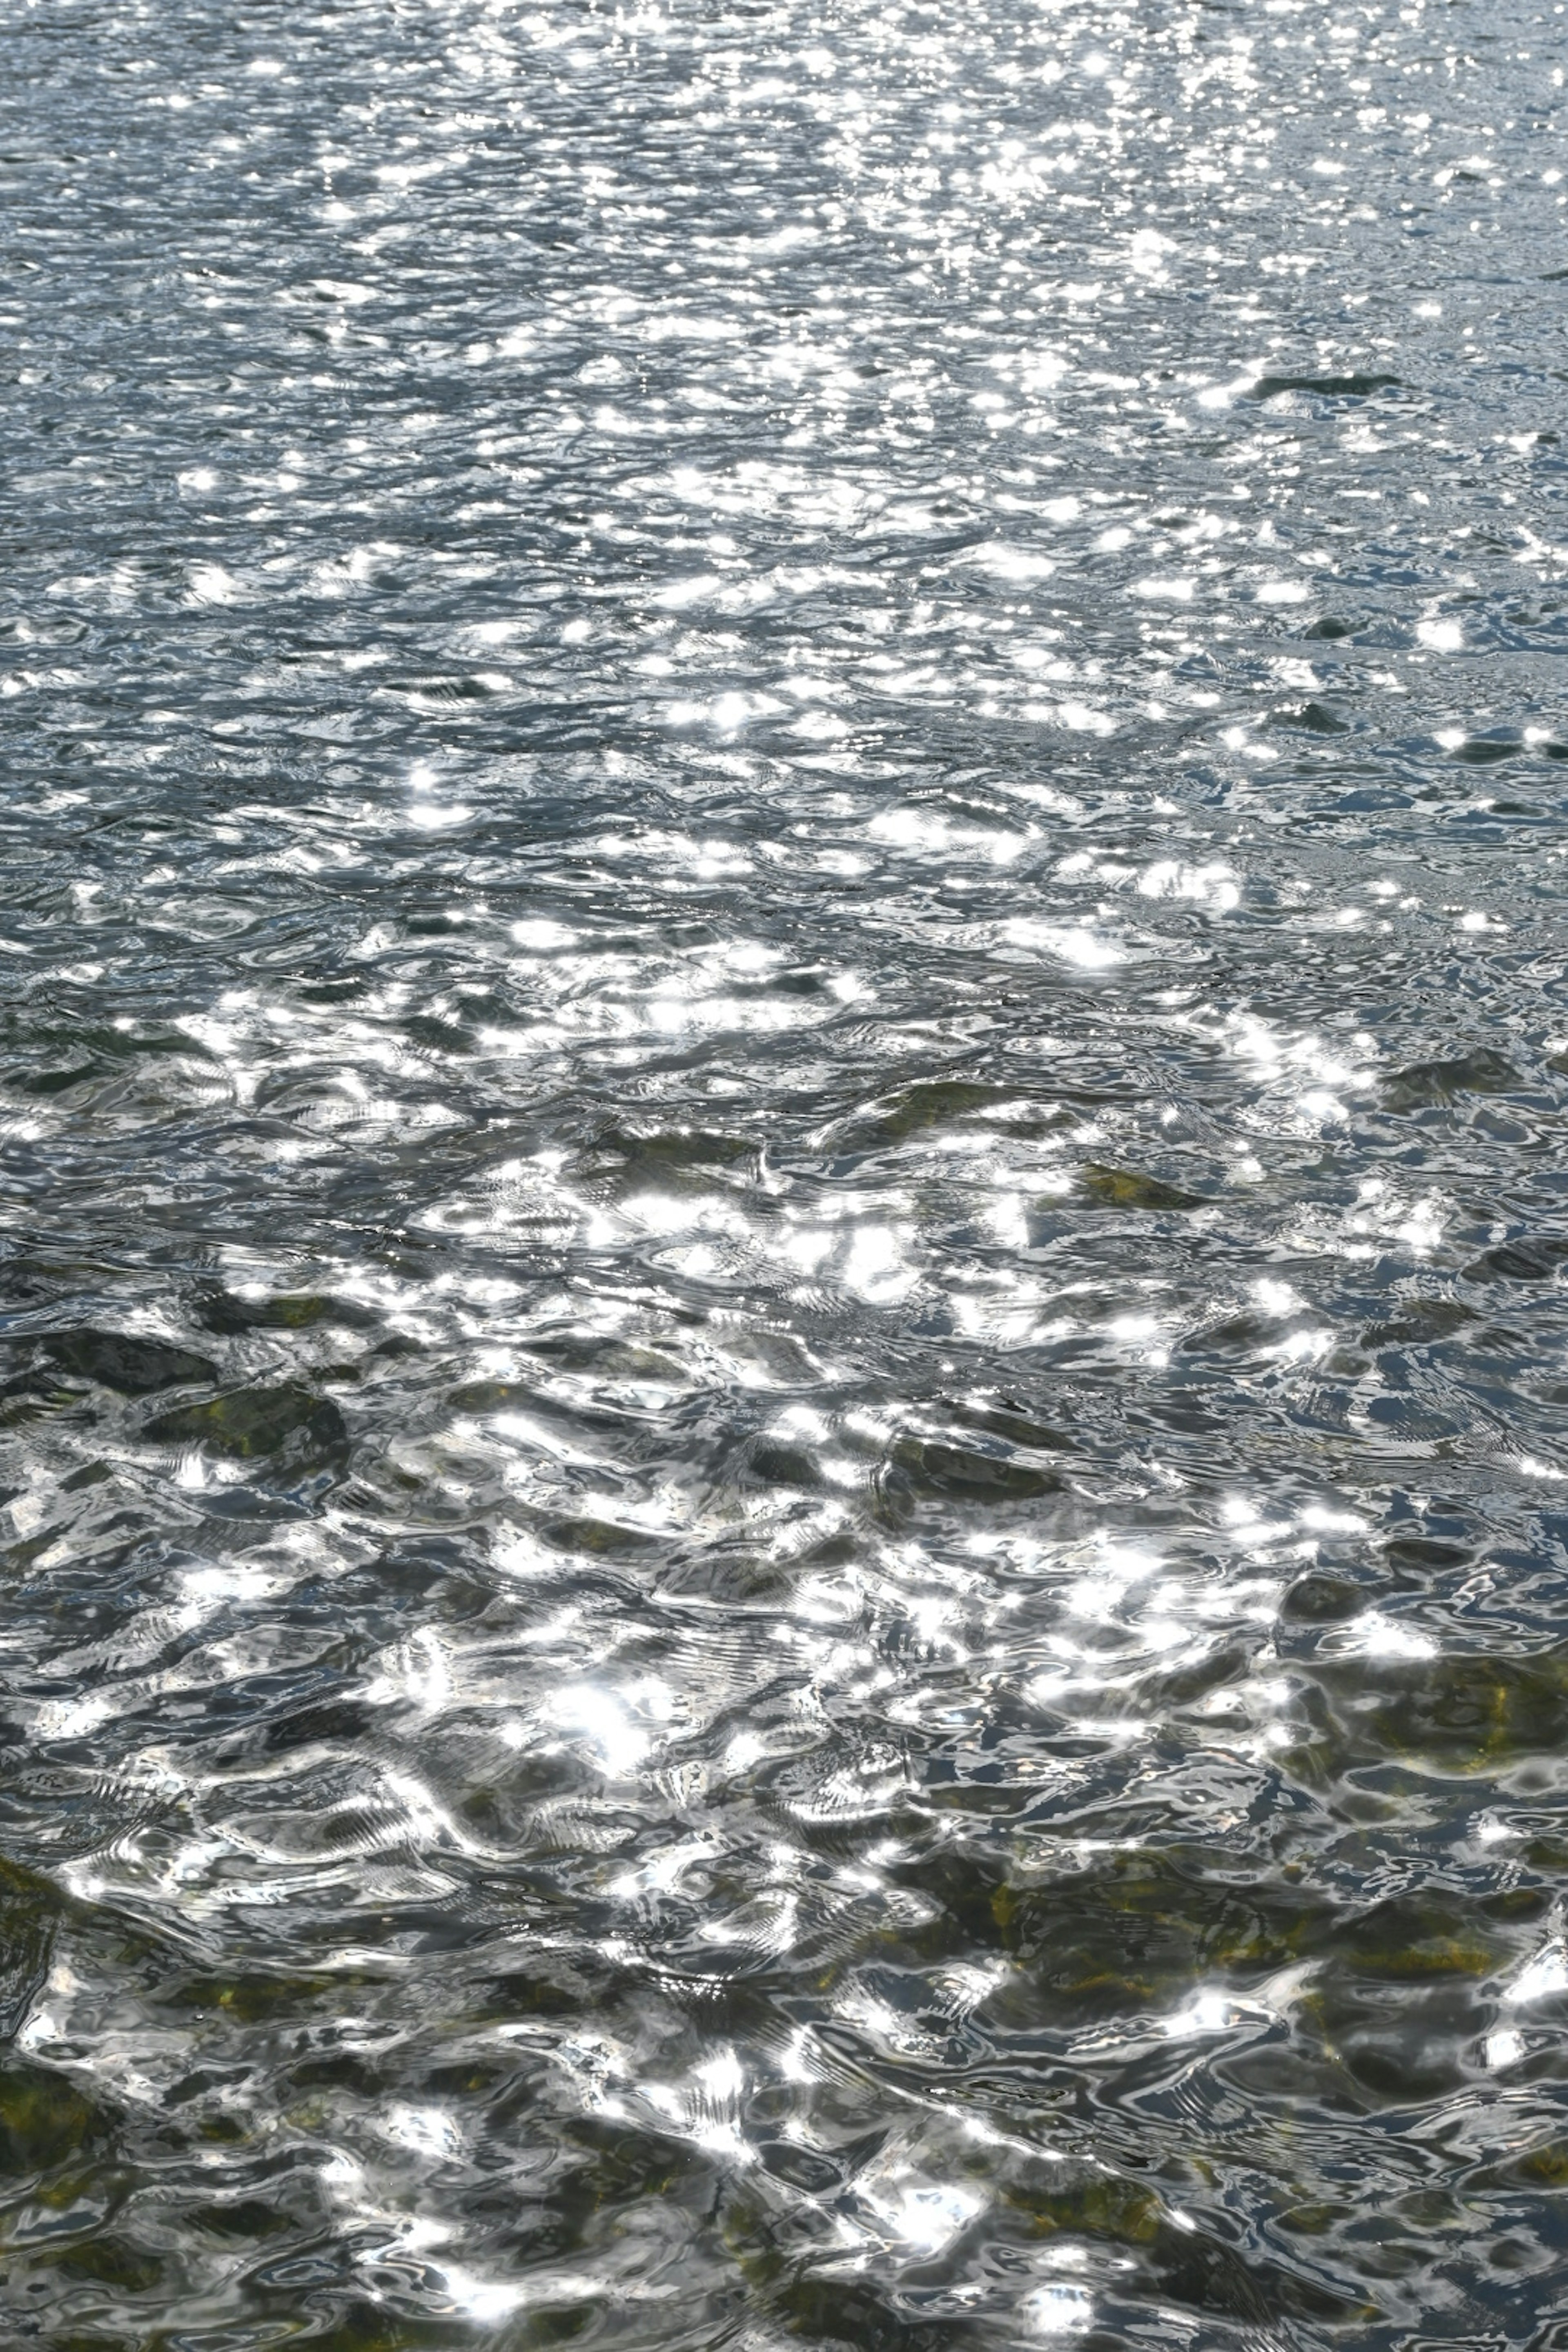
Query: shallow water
(783, 1409)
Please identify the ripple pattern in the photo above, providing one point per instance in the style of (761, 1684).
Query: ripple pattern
(784, 1056)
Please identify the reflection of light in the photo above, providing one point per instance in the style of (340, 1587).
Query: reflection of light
(664, 1213)
(722, 2077)
(705, 2112)
(1133, 1327)
(1059, 2310)
(662, 1871)
(1385, 1637)
(1073, 943)
(1300, 1347)
(1213, 886)
(1014, 562)
(211, 584)
(481, 2299)
(620, 1744)
(923, 2215)
(1546, 1974)
(1206, 2013)
(427, 2130)
(929, 829)
(805, 1246)
(875, 1265)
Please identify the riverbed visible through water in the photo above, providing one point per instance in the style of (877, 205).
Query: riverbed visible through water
(783, 1176)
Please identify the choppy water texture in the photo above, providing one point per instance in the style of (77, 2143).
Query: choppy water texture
(784, 1400)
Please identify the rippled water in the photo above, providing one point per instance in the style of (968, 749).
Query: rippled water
(783, 1409)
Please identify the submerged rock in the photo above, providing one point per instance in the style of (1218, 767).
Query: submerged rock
(915, 1109)
(251, 1422)
(1463, 1713)
(1324, 387)
(1127, 1188)
(29, 1912)
(231, 1315)
(119, 1361)
(967, 1472)
(1483, 1072)
(43, 2122)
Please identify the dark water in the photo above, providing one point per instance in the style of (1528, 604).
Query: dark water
(784, 1402)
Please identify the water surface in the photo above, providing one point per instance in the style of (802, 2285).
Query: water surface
(784, 1410)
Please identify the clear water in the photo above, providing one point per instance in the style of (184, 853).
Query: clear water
(784, 1417)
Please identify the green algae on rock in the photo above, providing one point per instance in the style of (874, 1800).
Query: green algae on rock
(126, 1361)
(251, 1423)
(1127, 1188)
